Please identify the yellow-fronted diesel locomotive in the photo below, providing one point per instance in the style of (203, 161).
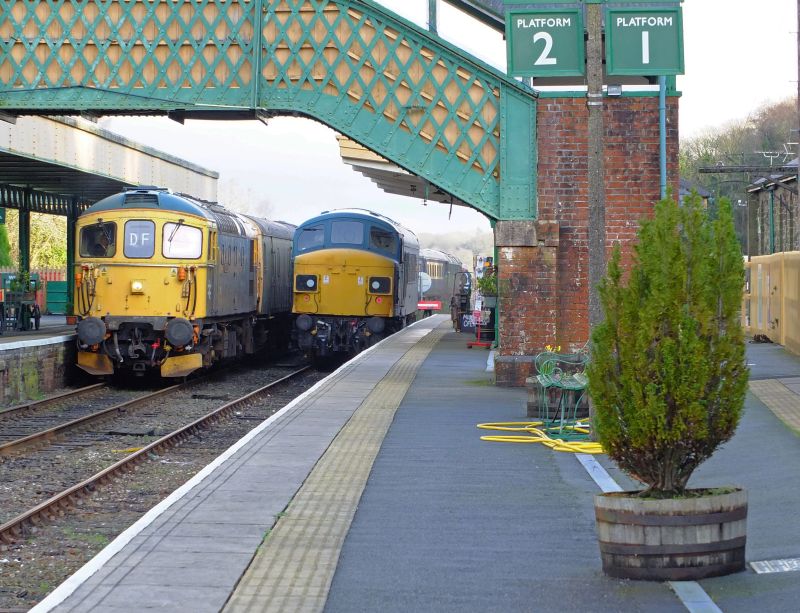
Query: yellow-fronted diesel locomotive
(164, 281)
(355, 281)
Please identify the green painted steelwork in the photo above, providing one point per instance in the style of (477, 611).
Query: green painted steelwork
(72, 219)
(13, 197)
(24, 240)
(57, 297)
(388, 84)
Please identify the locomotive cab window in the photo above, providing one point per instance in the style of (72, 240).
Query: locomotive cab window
(140, 238)
(383, 240)
(98, 240)
(347, 233)
(183, 242)
(313, 236)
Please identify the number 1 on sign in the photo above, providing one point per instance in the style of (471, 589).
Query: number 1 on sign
(645, 47)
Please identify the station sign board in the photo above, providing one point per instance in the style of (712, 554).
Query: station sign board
(546, 42)
(644, 42)
(429, 305)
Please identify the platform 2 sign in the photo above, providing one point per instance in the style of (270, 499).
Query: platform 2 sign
(644, 42)
(543, 43)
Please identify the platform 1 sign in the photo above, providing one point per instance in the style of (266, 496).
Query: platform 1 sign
(644, 42)
(545, 43)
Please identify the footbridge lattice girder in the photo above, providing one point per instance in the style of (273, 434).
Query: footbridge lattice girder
(351, 64)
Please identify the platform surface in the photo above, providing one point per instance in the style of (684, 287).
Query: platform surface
(50, 327)
(374, 492)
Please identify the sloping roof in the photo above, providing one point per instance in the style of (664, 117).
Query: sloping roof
(687, 186)
(773, 179)
(490, 12)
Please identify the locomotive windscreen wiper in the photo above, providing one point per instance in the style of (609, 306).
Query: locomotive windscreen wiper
(178, 225)
(106, 229)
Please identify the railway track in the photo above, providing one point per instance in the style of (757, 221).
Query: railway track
(14, 412)
(67, 421)
(55, 505)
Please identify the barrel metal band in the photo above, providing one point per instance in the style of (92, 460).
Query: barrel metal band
(674, 574)
(687, 549)
(636, 519)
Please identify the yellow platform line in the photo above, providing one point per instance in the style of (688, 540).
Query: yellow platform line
(295, 564)
(780, 400)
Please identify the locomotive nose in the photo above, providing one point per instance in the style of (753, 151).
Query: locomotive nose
(91, 330)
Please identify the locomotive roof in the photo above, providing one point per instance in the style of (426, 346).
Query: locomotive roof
(437, 254)
(366, 215)
(147, 197)
(279, 229)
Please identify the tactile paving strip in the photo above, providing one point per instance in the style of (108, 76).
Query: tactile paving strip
(780, 399)
(295, 564)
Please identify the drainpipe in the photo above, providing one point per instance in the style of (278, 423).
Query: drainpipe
(432, 16)
(497, 302)
(662, 132)
(772, 221)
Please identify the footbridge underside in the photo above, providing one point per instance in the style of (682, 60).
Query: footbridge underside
(395, 88)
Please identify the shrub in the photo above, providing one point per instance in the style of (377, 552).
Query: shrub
(667, 374)
(487, 284)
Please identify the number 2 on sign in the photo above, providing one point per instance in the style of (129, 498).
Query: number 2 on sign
(544, 58)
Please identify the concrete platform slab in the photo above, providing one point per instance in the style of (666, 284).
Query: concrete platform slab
(404, 508)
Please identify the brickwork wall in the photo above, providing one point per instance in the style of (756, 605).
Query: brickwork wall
(28, 373)
(553, 309)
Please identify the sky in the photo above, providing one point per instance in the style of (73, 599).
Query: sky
(739, 56)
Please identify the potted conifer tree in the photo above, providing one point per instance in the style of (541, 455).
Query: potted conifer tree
(667, 378)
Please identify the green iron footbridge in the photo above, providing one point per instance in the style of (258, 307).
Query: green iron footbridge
(377, 78)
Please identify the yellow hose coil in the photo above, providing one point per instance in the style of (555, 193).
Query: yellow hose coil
(534, 432)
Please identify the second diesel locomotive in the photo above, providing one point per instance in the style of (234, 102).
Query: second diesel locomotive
(165, 281)
(439, 280)
(355, 281)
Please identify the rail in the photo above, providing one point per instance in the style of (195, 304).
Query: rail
(14, 529)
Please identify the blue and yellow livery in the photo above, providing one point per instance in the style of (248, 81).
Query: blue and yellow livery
(355, 281)
(164, 281)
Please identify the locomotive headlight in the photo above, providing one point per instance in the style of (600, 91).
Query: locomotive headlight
(380, 285)
(137, 287)
(305, 283)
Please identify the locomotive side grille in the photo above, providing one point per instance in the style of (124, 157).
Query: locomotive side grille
(141, 199)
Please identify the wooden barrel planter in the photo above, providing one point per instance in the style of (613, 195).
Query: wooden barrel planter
(682, 539)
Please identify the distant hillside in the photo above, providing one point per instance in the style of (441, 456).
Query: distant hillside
(463, 245)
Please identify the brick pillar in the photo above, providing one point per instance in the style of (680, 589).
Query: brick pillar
(528, 271)
(543, 263)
